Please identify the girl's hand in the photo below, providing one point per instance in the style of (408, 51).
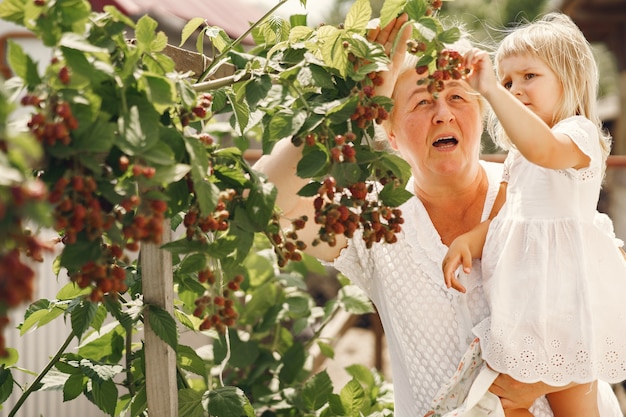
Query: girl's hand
(396, 33)
(482, 76)
(458, 254)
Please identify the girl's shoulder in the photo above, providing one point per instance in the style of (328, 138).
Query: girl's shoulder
(583, 132)
(575, 122)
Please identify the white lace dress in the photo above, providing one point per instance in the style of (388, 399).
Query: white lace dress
(554, 280)
(427, 326)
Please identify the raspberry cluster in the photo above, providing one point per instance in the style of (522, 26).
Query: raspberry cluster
(16, 276)
(197, 225)
(106, 276)
(368, 110)
(449, 66)
(217, 311)
(379, 222)
(52, 122)
(287, 245)
(200, 111)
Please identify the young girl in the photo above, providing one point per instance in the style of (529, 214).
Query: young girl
(554, 279)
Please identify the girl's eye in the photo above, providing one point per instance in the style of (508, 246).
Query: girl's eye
(529, 76)
(507, 85)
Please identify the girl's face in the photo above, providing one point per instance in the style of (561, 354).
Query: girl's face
(437, 137)
(533, 83)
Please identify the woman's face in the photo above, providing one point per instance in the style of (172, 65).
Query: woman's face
(437, 137)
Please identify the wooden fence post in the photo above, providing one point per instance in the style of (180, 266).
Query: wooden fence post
(158, 289)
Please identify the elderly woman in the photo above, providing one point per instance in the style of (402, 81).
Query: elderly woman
(428, 327)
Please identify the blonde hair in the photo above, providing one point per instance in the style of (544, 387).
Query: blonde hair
(560, 44)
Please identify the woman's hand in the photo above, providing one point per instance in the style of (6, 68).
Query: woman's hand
(388, 38)
(514, 394)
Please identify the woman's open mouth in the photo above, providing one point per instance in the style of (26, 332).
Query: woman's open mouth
(445, 142)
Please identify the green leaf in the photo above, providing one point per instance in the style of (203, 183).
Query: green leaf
(316, 391)
(333, 52)
(313, 161)
(293, 363)
(390, 10)
(140, 402)
(76, 255)
(353, 398)
(10, 359)
(218, 37)
(71, 291)
(190, 361)
(97, 137)
(73, 387)
(138, 128)
(416, 9)
(326, 349)
(285, 123)
(207, 194)
(257, 89)
(394, 196)
(450, 36)
(163, 325)
(345, 173)
(105, 396)
(354, 300)
(108, 344)
(321, 77)
(145, 32)
(82, 316)
(227, 402)
(310, 190)
(12, 11)
(190, 28)
(241, 113)
(243, 353)
(358, 16)
(22, 65)
(98, 372)
(159, 89)
(260, 204)
(193, 263)
(79, 43)
(40, 317)
(6, 384)
(190, 403)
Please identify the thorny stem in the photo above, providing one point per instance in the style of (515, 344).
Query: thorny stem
(318, 332)
(218, 58)
(35, 384)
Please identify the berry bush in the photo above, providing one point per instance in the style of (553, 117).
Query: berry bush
(118, 145)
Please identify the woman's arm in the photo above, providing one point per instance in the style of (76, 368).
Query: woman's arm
(280, 167)
(514, 394)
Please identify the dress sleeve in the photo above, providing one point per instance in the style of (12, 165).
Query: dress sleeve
(506, 169)
(353, 261)
(583, 133)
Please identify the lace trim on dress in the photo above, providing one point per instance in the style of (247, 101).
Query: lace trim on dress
(585, 135)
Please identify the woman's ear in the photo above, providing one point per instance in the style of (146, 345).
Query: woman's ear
(391, 136)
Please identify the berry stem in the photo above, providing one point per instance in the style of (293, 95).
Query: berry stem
(35, 384)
